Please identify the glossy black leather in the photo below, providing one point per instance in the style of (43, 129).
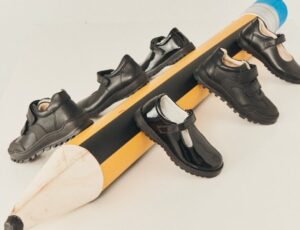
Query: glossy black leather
(239, 86)
(166, 51)
(202, 156)
(114, 85)
(60, 111)
(265, 49)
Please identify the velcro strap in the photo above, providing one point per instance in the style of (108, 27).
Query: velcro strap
(253, 88)
(173, 128)
(274, 42)
(30, 119)
(249, 75)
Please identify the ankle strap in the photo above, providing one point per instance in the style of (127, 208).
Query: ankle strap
(274, 42)
(173, 128)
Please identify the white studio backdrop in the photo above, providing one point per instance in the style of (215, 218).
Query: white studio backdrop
(52, 44)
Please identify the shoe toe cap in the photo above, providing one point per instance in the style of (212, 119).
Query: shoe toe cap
(15, 147)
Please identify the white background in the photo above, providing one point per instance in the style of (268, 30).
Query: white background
(52, 44)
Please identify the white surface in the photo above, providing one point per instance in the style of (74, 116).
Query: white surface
(52, 44)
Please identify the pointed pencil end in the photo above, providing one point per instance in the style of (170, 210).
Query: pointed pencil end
(13, 223)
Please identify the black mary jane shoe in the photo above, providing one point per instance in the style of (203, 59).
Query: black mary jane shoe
(50, 122)
(267, 47)
(115, 85)
(195, 155)
(236, 83)
(166, 51)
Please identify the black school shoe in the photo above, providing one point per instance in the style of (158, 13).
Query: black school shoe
(173, 129)
(166, 51)
(115, 85)
(236, 82)
(50, 122)
(267, 47)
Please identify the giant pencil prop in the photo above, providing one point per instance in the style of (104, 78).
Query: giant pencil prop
(80, 170)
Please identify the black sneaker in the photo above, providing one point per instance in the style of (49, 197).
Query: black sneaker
(267, 47)
(115, 85)
(50, 122)
(236, 82)
(166, 51)
(173, 129)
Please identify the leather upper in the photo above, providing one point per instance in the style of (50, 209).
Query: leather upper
(266, 46)
(112, 81)
(240, 83)
(61, 110)
(164, 47)
(201, 156)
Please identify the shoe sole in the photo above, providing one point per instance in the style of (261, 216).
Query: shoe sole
(149, 132)
(203, 79)
(119, 95)
(245, 46)
(62, 135)
(172, 59)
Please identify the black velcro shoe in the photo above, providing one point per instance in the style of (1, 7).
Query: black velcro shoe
(173, 129)
(166, 51)
(50, 122)
(115, 85)
(236, 83)
(267, 47)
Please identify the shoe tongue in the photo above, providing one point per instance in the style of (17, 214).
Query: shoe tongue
(243, 65)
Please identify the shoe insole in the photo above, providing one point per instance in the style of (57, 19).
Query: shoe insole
(43, 104)
(229, 61)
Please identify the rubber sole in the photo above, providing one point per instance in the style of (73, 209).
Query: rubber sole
(119, 95)
(245, 46)
(149, 132)
(33, 154)
(172, 59)
(203, 79)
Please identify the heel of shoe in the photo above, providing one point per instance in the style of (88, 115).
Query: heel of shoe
(200, 75)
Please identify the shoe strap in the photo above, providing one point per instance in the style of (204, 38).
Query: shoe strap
(173, 128)
(249, 75)
(154, 41)
(274, 42)
(31, 119)
(102, 79)
(253, 88)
